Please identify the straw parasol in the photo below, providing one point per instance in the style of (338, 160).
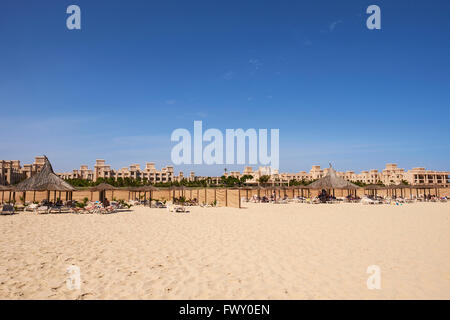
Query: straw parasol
(374, 188)
(394, 187)
(180, 188)
(332, 181)
(425, 187)
(144, 189)
(45, 180)
(301, 188)
(101, 188)
(6, 188)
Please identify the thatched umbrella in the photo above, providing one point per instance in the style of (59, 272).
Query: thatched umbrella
(6, 188)
(45, 180)
(299, 187)
(144, 189)
(395, 187)
(374, 188)
(259, 188)
(102, 188)
(180, 188)
(247, 189)
(426, 187)
(332, 181)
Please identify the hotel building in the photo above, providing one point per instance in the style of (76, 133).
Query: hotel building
(11, 172)
(389, 176)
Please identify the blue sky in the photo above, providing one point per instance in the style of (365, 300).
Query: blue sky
(137, 70)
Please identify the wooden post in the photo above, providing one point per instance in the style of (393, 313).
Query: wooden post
(239, 195)
(150, 200)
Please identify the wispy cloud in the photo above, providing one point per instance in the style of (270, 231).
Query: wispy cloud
(228, 75)
(170, 101)
(334, 24)
(256, 65)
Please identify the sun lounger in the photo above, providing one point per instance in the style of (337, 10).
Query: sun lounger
(55, 209)
(32, 207)
(42, 209)
(7, 209)
(367, 201)
(159, 204)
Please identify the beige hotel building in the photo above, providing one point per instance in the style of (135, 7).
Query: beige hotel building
(11, 172)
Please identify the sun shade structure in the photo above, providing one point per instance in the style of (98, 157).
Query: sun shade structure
(6, 188)
(428, 187)
(45, 180)
(182, 190)
(102, 188)
(144, 189)
(373, 188)
(332, 181)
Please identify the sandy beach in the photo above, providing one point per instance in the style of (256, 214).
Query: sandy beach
(264, 251)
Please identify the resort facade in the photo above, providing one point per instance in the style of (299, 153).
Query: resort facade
(11, 172)
(391, 175)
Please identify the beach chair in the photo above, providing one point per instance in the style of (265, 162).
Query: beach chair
(366, 200)
(76, 210)
(54, 209)
(31, 207)
(42, 209)
(109, 209)
(7, 209)
(205, 205)
(159, 204)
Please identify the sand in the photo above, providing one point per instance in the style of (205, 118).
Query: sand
(264, 251)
